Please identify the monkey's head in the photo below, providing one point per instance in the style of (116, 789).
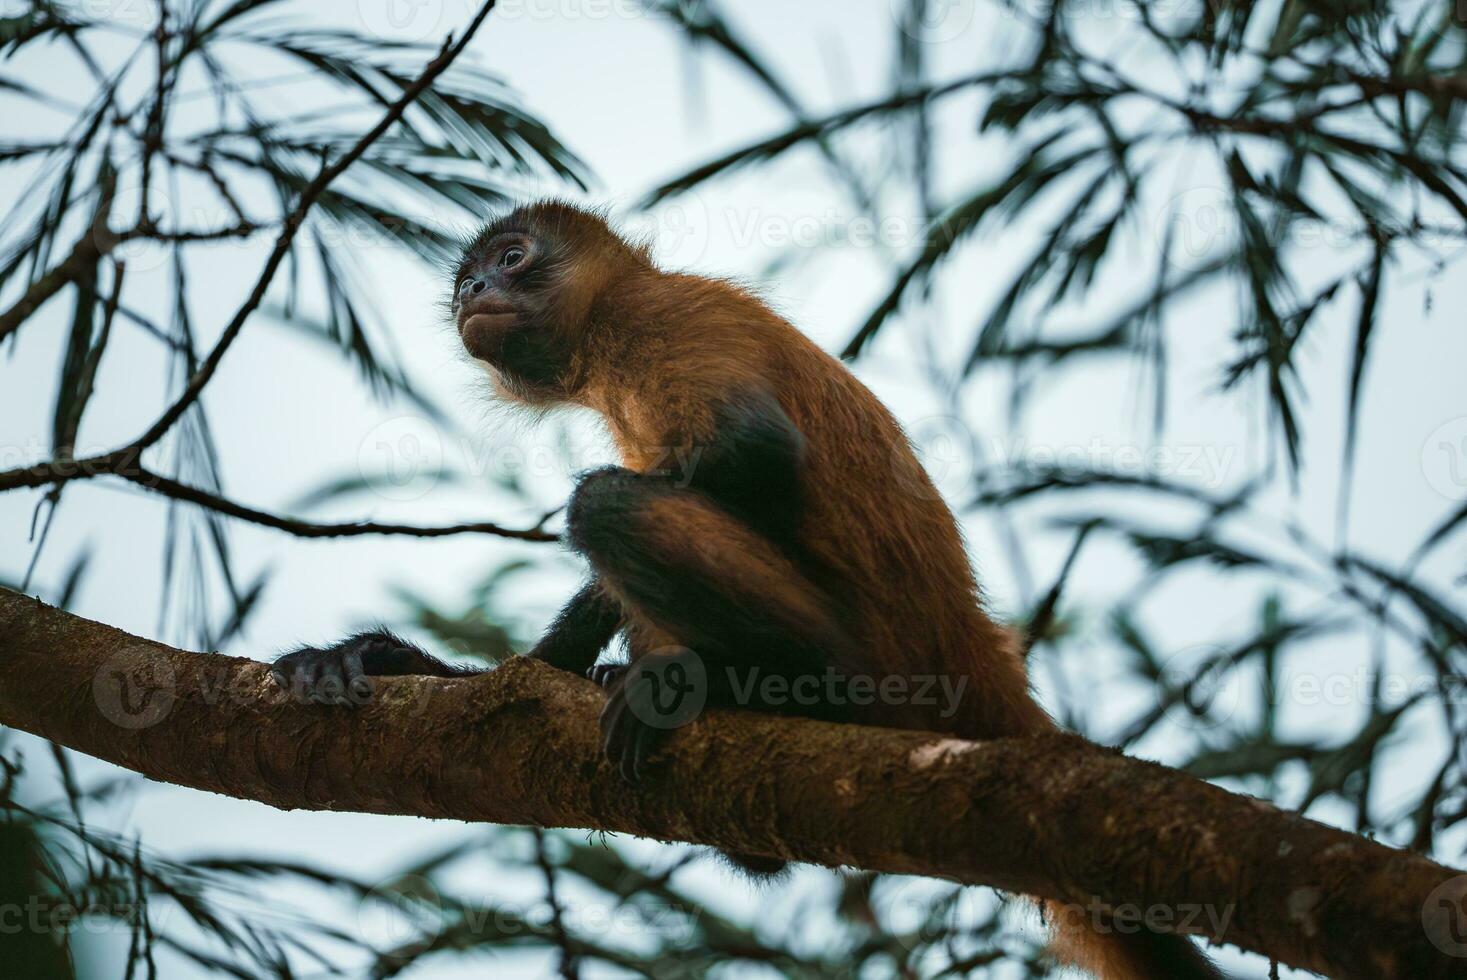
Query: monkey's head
(526, 290)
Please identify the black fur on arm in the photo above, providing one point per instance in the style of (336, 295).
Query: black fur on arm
(580, 630)
(385, 654)
(751, 467)
(338, 674)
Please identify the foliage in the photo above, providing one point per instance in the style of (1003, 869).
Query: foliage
(181, 127)
(1301, 113)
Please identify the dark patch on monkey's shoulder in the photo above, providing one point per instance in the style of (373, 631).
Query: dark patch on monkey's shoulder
(752, 466)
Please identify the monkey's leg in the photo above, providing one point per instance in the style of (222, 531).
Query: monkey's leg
(339, 674)
(682, 564)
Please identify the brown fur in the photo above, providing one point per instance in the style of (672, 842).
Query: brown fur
(653, 351)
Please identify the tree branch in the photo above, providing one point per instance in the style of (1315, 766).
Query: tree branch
(90, 247)
(306, 529)
(1054, 816)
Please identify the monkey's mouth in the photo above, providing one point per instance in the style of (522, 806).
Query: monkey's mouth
(484, 334)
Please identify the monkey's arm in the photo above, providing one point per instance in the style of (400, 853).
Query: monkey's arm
(581, 630)
(339, 674)
(749, 463)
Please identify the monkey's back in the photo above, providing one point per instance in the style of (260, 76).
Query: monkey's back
(874, 518)
(884, 543)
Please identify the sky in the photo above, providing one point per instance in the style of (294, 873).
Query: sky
(625, 94)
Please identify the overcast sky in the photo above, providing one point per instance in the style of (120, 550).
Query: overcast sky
(624, 94)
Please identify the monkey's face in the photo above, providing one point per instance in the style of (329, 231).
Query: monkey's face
(501, 305)
(529, 291)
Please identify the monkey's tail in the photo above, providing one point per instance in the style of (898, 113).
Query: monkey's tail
(1111, 954)
(1108, 950)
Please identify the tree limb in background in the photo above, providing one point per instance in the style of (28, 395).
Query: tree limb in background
(1052, 816)
(174, 490)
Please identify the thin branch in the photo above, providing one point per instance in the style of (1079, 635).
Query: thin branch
(568, 969)
(84, 254)
(65, 469)
(305, 529)
(293, 222)
(241, 229)
(1433, 86)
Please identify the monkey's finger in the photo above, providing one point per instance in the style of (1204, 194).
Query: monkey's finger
(302, 676)
(627, 758)
(609, 675)
(610, 717)
(330, 687)
(644, 744)
(358, 684)
(606, 675)
(285, 670)
(616, 727)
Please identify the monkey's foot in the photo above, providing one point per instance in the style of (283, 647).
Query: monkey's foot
(607, 675)
(648, 699)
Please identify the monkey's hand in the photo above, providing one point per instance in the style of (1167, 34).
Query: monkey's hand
(607, 675)
(341, 674)
(647, 700)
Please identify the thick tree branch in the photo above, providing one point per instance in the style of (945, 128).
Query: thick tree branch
(1054, 816)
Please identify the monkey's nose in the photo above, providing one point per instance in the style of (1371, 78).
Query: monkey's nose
(471, 287)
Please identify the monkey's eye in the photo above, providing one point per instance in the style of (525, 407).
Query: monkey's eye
(511, 257)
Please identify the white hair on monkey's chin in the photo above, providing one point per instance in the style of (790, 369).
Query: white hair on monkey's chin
(497, 383)
(506, 392)
(501, 404)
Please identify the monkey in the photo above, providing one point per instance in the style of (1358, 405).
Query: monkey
(768, 518)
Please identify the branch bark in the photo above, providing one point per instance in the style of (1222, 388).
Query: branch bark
(1055, 817)
(87, 250)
